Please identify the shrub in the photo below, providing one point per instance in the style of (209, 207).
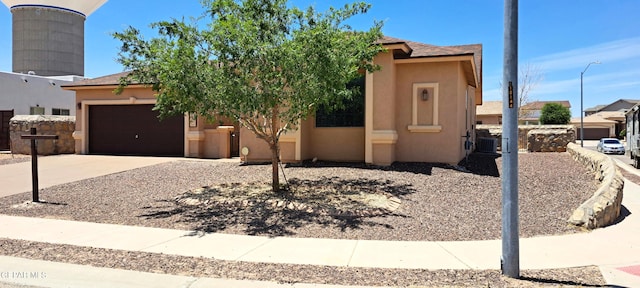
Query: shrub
(554, 113)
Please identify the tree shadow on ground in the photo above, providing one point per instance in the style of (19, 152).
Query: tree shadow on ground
(260, 217)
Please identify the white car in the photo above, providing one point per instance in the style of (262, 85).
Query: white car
(610, 146)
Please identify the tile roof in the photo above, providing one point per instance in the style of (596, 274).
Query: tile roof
(428, 50)
(595, 108)
(109, 80)
(421, 50)
(489, 108)
(594, 118)
(418, 50)
(612, 115)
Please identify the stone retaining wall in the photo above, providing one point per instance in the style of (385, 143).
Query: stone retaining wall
(550, 140)
(63, 126)
(603, 208)
(540, 142)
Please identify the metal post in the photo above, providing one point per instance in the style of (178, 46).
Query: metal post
(581, 101)
(510, 260)
(581, 111)
(34, 158)
(34, 167)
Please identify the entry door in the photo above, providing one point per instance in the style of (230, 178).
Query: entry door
(5, 117)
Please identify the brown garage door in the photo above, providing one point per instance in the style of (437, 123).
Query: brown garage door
(134, 130)
(593, 133)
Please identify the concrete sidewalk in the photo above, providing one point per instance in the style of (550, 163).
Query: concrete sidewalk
(610, 248)
(615, 249)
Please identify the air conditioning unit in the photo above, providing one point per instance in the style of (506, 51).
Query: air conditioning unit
(487, 145)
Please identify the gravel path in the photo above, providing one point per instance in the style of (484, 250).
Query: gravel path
(438, 203)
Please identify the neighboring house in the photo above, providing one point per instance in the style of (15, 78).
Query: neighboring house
(530, 112)
(614, 112)
(595, 126)
(28, 94)
(417, 108)
(31, 94)
(619, 105)
(489, 113)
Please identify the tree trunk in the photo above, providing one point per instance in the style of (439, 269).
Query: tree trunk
(275, 177)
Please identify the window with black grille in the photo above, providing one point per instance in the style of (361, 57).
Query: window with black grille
(351, 115)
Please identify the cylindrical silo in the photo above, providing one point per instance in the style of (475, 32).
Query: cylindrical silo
(48, 35)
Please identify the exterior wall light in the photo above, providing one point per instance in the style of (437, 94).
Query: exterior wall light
(425, 95)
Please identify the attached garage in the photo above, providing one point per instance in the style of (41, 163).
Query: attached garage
(125, 124)
(133, 130)
(594, 133)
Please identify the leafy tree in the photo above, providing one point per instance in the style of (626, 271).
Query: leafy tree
(554, 113)
(260, 62)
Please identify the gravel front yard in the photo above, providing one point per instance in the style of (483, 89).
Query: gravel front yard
(438, 203)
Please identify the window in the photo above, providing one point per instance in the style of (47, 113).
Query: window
(352, 115)
(36, 110)
(60, 111)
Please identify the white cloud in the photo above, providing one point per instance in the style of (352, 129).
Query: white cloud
(608, 52)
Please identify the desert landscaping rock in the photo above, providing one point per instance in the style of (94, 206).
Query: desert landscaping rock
(437, 201)
(420, 202)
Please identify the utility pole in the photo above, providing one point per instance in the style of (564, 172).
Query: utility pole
(510, 260)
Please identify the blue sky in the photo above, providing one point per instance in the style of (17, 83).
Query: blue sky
(560, 37)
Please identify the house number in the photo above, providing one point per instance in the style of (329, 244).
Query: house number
(510, 94)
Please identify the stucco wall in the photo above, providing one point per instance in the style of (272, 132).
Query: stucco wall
(428, 146)
(20, 92)
(338, 144)
(489, 119)
(384, 89)
(258, 149)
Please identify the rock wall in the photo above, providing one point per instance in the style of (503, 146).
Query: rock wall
(603, 208)
(495, 131)
(550, 140)
(63, 126)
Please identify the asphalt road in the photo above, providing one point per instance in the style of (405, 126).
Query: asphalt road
(591, 144)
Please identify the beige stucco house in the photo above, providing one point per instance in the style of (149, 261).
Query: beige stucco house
(614, 111)
(530, 112)
(489, 113)
(595, 126)
(417, 108)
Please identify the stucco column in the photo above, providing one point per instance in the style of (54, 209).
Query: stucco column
(380, 118)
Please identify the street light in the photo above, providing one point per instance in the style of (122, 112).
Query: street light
(581, 104)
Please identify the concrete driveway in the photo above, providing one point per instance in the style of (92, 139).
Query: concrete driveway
(59, 169)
